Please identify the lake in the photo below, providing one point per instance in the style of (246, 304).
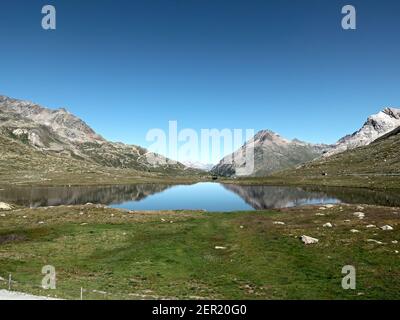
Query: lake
(200, 196)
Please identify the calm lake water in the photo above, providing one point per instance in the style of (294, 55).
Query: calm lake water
(205, 196)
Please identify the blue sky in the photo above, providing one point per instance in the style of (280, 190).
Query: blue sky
(128, 66)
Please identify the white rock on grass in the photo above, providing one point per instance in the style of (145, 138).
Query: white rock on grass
(329, 206)
(395, 242)
(328, 225)
(5, 206)
(309, 240)
(371, 226)
(354, 231)
(279, 223)
(360, 215)
(220, 248)
(2, 215)
(374, 241)
(387, 228)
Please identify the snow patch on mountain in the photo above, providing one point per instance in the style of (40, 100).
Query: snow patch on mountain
(376, 126)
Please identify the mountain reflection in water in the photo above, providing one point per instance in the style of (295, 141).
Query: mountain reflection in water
(207, 196)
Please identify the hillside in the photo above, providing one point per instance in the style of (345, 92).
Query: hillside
(380, 157)
(41, 145)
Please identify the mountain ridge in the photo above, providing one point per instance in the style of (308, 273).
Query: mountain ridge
(273, 153)
(59, 132)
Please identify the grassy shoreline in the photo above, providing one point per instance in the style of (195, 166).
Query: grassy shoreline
(126, 177)
(120, 254)
(362, 182)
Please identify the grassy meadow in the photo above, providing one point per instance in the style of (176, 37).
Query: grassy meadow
(117, 254)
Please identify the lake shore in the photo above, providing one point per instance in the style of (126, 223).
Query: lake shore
(122, 254)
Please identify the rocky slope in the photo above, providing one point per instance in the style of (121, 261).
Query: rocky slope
(376, 126)
(60, 133)
(271, 153)
(379, 158)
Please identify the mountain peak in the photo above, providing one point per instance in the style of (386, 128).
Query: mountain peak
(392, 112)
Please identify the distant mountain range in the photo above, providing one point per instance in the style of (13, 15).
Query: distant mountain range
(198, 165)
(30, 133)
(272, 153)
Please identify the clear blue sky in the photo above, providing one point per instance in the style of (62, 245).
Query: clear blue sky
(128, 66)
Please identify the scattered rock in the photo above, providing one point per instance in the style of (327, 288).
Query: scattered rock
(371, 226)
(360, 215)
(387, 228)
(2, 215)
(354, 231)
(375, 241)
(321, 208)
(320, 214)
(395, 242)
(41, 222)
(83, 224)
(241, 227)
(163, 220)
(5, 206)
(309, 240)
(278, 222)
(329, 206)
(396, 251)
(360, 208)
(220, 248)
(328, 225)
(347, 220)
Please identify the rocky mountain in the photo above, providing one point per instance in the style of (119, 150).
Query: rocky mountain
(60, 133)
(376, 126)
(271, 153)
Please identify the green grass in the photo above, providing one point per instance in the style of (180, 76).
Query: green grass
(138, 255)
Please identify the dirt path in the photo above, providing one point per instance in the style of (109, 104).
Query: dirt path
(11, 295)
